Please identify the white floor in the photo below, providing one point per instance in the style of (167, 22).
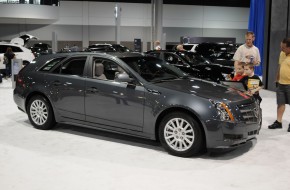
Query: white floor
(73, 158)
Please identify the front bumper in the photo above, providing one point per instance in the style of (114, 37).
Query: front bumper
(228, 135)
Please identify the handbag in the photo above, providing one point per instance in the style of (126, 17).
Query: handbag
(5, 61)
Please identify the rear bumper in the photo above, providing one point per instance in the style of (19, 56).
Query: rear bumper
(20, 101)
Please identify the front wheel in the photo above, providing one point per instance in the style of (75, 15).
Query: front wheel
(40, 113)
(181, 135)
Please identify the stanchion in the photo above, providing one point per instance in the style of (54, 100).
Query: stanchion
(16, 66)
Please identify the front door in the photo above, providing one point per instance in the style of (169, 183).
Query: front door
(112, 104)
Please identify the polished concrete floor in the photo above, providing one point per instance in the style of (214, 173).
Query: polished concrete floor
(74, 158)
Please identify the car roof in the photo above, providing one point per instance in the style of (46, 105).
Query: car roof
(115, 54)
(8, 43)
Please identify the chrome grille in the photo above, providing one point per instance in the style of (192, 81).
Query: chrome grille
(250, 113)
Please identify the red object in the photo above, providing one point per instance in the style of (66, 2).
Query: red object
(238, 77)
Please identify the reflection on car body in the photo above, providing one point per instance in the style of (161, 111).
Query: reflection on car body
(138, 95)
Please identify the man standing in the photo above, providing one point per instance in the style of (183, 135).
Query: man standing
(283, 83)
(157, 45)
(247, 52)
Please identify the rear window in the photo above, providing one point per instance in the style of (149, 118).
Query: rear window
(51, 64)
(3, 48)
(16, 49)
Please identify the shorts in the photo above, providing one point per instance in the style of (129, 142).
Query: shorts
(283, 94)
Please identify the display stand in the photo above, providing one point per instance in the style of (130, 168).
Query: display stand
(16, 66)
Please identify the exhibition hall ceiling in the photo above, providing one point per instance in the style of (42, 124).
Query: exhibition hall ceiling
(224, 3)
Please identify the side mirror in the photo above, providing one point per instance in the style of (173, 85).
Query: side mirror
(123, 77)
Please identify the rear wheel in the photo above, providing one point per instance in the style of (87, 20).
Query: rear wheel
(181, 135)
(40, 113)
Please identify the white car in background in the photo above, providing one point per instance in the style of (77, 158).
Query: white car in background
(18, 49)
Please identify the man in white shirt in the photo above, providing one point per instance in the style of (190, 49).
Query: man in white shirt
(247, 52)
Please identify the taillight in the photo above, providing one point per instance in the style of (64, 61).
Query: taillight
(20, 81)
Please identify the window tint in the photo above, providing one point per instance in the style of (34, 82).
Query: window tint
(51, 64)
(73, 66)
(105, 69)
(16, 49)
(154, 54)
(170, 58)
(3, 48)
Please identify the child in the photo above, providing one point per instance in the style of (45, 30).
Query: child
(252, 82)
(239, 71)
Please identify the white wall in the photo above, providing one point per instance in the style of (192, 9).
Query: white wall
(137, 14)
(94, 21)
(28, 11)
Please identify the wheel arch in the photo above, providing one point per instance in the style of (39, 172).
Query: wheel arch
(178, 109)
(35, 93)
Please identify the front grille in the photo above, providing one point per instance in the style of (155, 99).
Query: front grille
(250, 113)
(233, 136)
(253, 132)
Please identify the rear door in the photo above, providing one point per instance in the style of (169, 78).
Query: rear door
(67, 83)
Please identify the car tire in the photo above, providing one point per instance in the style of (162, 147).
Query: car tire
(181, 135)
(40, 113)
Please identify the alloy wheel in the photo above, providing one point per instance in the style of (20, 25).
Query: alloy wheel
(179, 134)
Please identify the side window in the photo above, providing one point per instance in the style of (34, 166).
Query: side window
(172, 59)
(16, 49)
(169, 58)
(105, 69)
(154, 54)
(3, 48)
(51, 64)
(73, 66)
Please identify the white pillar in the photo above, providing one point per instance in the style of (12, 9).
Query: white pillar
(85, 24)
(157, 23)
(117, 13)
(54, 42)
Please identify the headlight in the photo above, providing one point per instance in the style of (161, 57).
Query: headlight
(223, 111)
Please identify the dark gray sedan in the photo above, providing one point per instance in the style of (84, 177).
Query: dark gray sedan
(136, 95)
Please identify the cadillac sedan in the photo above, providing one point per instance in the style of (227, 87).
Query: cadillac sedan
(137, 95)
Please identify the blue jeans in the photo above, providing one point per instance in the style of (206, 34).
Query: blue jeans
(8, 70)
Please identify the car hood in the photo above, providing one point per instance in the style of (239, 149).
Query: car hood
(205, 89)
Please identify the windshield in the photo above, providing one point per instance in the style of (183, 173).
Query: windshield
(153, 69)
(194, 58)
(121, 48)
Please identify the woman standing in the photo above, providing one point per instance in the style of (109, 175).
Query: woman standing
(9, 55)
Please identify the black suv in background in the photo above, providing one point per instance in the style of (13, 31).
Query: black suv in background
(194, 64)
(221, 53)
(40, 49)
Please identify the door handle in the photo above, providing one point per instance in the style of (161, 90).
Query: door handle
(155, 92)
(93, 90)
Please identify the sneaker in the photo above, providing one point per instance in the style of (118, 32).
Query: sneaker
(289, 128)
(275, 125)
